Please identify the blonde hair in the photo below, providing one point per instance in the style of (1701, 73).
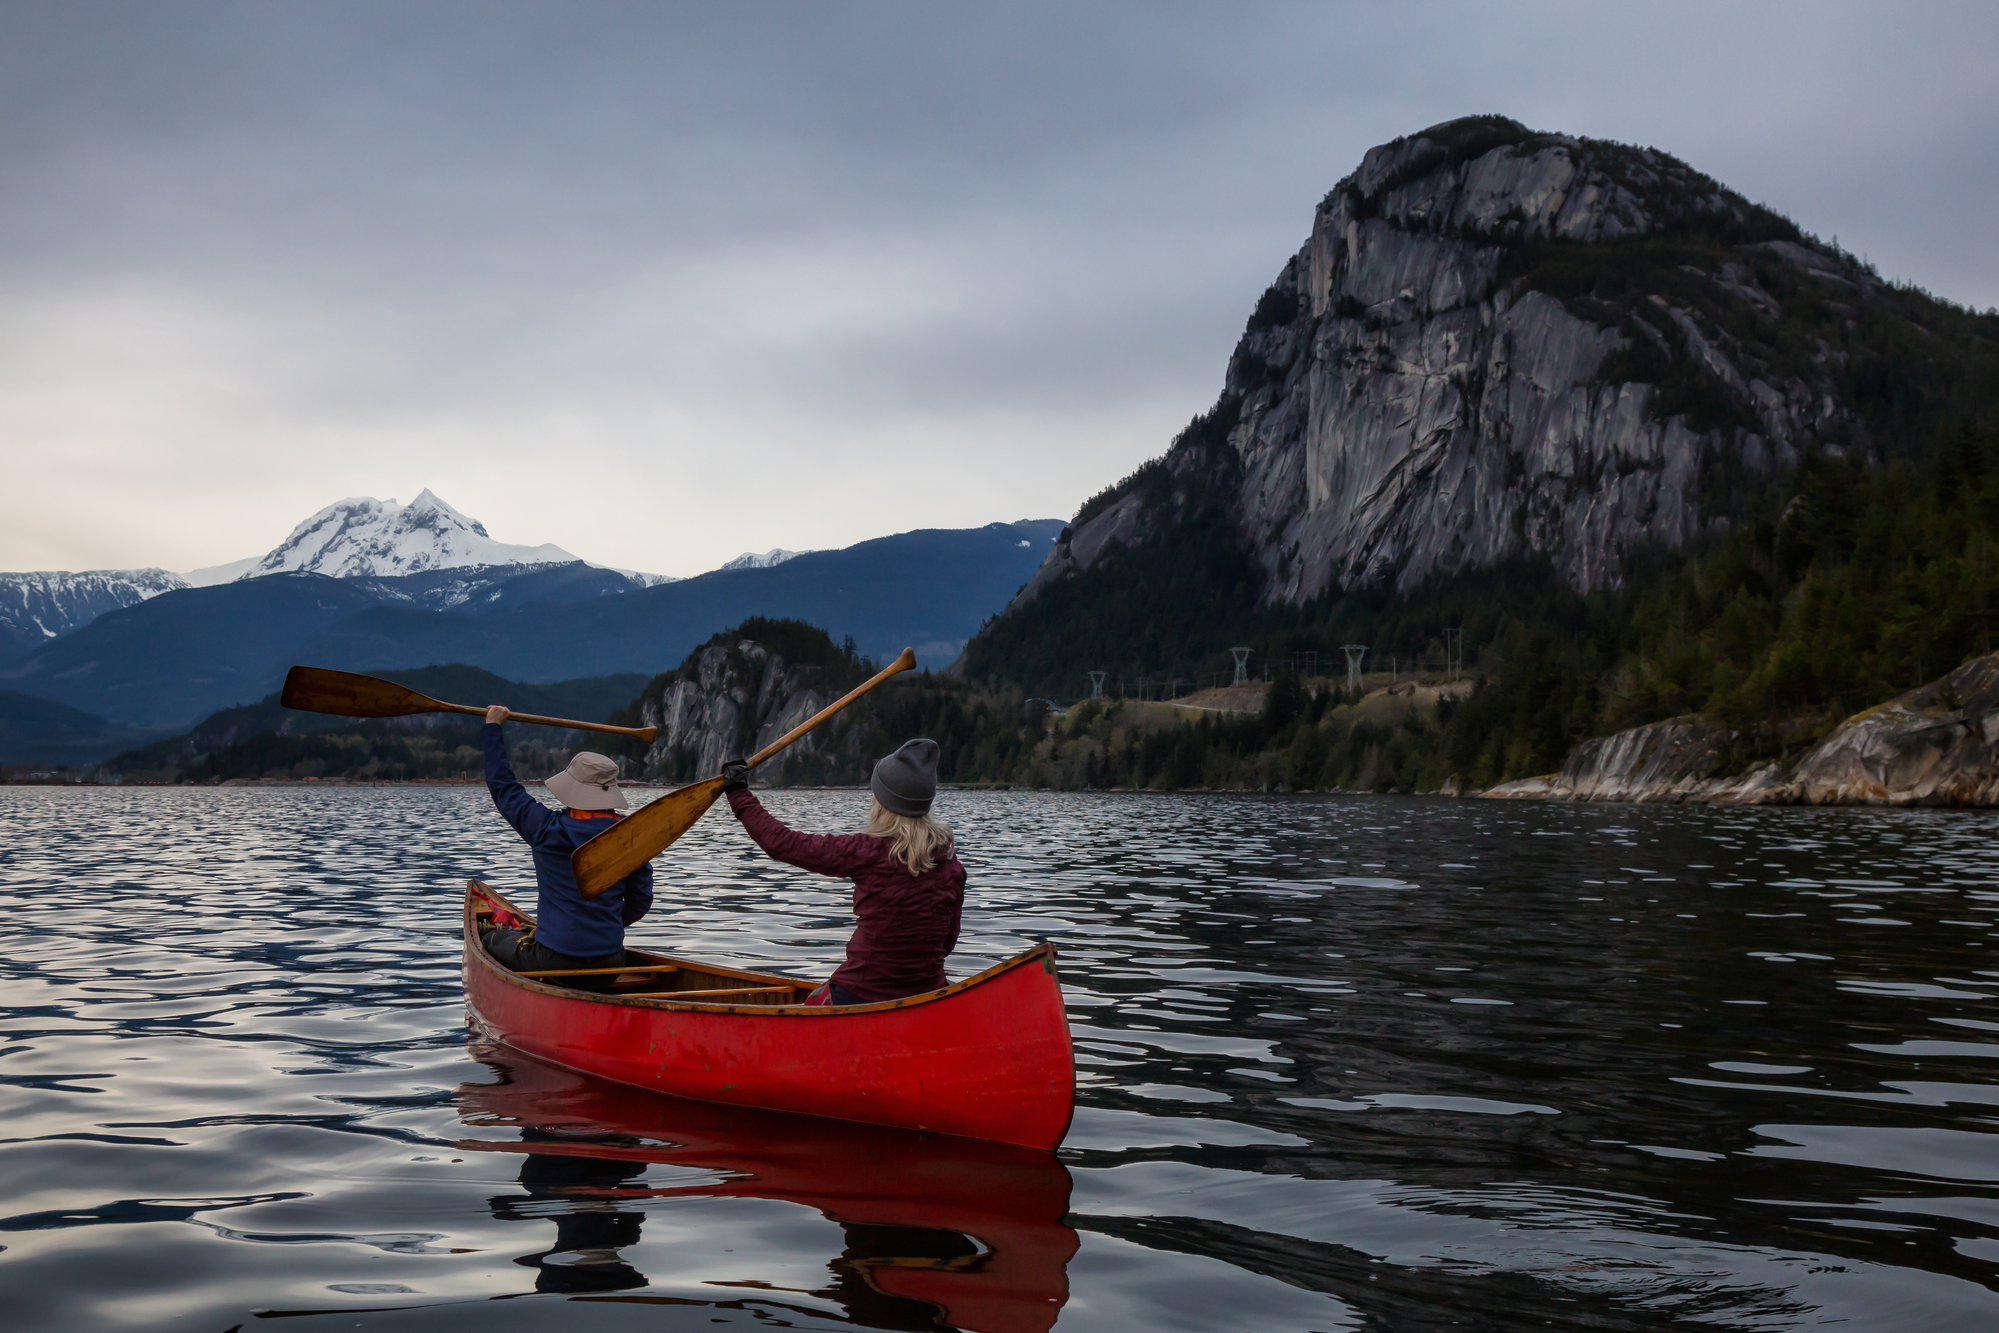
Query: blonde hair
(920, 842)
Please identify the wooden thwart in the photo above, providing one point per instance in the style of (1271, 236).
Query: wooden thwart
(601, 971)
(706, 994)
(659, 969)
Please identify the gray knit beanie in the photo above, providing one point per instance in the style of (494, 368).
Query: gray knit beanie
(906, 782)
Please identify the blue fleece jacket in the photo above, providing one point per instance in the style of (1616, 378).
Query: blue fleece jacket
(564, 922)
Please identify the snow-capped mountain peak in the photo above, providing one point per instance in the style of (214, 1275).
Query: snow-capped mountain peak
(363, 537)
(752, 560)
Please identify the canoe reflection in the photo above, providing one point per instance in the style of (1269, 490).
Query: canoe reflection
(937, 1232)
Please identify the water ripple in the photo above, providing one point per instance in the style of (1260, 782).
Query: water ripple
(1343, 1062)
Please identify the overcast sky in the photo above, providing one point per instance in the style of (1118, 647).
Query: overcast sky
(665, 284)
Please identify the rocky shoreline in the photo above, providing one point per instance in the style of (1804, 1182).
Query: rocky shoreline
(1934, 746)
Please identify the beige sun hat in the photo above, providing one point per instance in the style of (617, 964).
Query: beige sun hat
(589, 783)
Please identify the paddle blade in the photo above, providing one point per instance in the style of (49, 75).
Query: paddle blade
(317, 690)
(639, 837)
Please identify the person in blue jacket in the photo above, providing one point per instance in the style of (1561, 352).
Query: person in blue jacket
(570, 931)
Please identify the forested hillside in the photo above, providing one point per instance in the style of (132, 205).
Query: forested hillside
(268, 740)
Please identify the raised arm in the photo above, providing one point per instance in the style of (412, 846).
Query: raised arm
(529, 817)
(808, 851)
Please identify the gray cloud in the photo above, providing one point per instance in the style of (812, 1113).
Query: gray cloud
(664, 284)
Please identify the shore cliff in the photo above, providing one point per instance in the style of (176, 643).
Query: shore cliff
(729, 699)
(1934, 746)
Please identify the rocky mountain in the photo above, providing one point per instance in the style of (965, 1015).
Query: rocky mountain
(739, 691)
(752, 560)
(1500, 345)
(45, 605)
(366, 537)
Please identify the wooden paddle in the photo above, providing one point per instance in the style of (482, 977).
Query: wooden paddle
(344, 694)
(644, 834)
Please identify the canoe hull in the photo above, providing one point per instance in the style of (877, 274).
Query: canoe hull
(988, 1058)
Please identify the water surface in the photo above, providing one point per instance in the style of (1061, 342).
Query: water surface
(1345, 1062)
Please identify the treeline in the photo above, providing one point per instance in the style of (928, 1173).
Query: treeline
(268, 740)
(386, 750)
(1869, 583)
(1301, 739)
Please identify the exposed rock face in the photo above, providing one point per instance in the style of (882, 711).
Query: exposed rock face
(1456, 369)
(1938, 745)
(730, 700)
(1675, 756)
(1674, 760)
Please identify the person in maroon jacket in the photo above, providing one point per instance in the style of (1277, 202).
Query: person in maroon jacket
(909, 887)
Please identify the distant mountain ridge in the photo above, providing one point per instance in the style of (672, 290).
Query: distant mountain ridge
(41, 731)
(350, 539)
(752, 560)
(585, 700)
(47, 604)
(176, 657)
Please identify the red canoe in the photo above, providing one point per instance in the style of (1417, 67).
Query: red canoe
(986, 1058)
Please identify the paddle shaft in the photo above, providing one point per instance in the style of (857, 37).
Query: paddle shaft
(637, 733)
(347, 694)
(640, 836)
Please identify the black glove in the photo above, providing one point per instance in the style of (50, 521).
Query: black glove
(735, 776)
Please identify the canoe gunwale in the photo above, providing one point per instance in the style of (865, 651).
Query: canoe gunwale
(1043, 953)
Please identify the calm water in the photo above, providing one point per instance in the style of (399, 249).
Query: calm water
(1346, 1062)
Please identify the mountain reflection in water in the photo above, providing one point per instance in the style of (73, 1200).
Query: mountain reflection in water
(939, 1232)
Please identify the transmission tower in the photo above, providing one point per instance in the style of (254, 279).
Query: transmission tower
(1454, 651)
(1241, 666)
(1097, 684)
(1355, 653)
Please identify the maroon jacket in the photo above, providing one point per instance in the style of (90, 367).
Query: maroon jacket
(907, 923)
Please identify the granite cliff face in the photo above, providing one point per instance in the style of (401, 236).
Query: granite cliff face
(1934, 746)
(729, 700)
(1497, 343)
